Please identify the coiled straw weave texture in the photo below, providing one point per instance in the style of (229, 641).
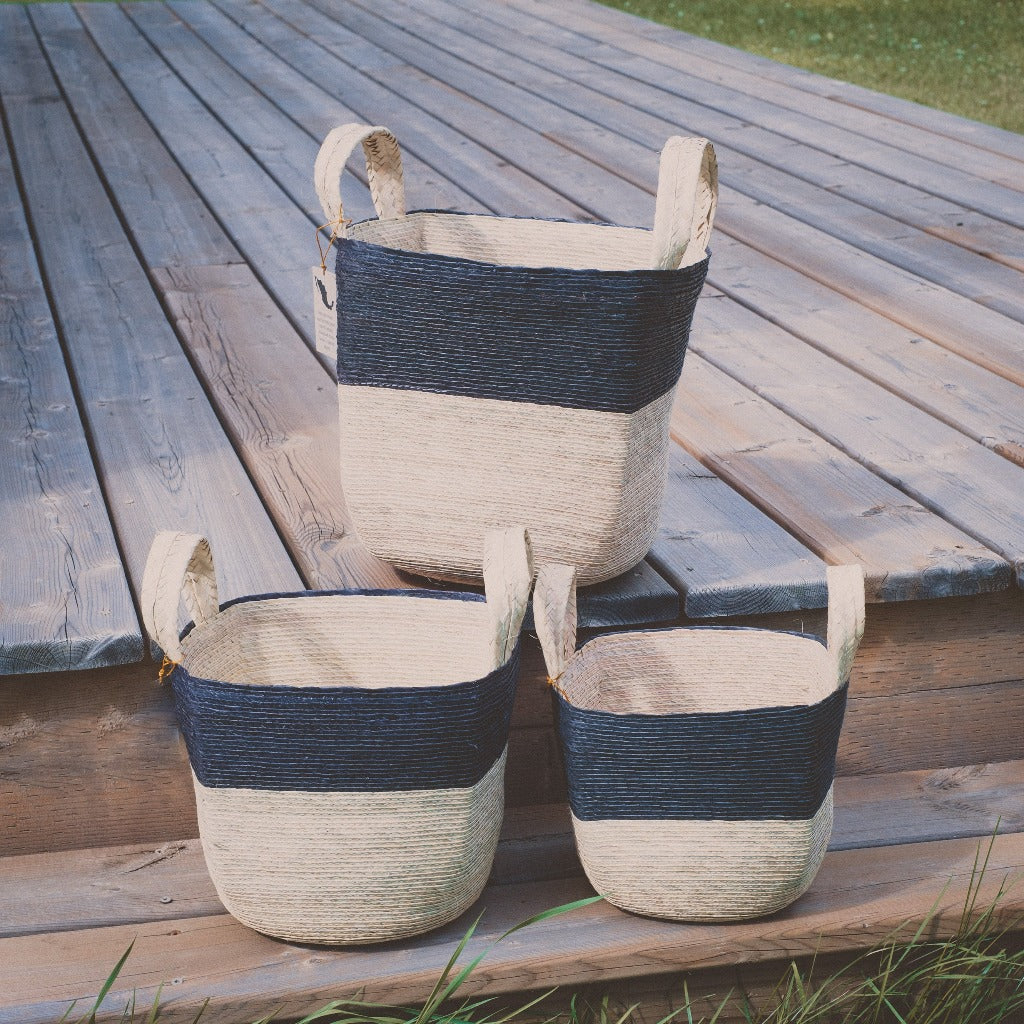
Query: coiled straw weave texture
(495, 370)
(348, 749)
(700, 761)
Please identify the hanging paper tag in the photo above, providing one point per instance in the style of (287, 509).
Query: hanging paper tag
(325, 312)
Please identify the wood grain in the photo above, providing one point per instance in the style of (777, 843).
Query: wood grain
(930, 729)
(163, 458)
(859, 897)
(92, 759)
(963, 482)
(304, 79)
(64, 598)
(285, 425)
(262, 221)
(976, 401)
(834, 505)
(725, 555)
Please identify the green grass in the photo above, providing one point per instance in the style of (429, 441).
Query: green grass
(964, 56)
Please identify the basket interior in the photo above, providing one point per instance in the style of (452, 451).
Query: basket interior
(517, 242)
(698, 670)
(370, 641)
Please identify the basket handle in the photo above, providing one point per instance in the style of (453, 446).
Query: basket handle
(687, 198)
(845, 615)
(180, 565)
(508, 576)
(383, 171)
(554, 616)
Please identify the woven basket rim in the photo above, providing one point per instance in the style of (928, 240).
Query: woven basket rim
(444, 259)
(418, 592)
(601, 713)
(610, 639)
(348, 689)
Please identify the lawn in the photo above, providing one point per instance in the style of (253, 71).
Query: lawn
(965, 56)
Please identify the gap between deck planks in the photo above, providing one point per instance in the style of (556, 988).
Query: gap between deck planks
(860, 897)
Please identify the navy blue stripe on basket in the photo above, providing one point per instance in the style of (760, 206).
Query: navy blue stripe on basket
(757, 764)
(583, 339)
(344, 738)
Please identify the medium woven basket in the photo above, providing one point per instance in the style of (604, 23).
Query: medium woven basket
(495, 370)
(700, 761)
(347, 748)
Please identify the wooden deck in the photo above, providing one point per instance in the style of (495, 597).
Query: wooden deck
(853, 392)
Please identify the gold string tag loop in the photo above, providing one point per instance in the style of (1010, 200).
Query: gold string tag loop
(336, 226)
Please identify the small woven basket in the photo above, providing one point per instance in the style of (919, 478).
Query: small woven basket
(347, 748)
(700, 761)
(495, 370)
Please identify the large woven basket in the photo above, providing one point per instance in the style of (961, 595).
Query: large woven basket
(700, 761)
(348, 748)
(495, 370)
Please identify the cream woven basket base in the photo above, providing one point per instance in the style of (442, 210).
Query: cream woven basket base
(442, 495)
(703, 870)
(338, 868)
(518, 243)
(324, 641)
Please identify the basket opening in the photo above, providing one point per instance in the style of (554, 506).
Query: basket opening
(515, 242)
(369, 641)
(698, 670)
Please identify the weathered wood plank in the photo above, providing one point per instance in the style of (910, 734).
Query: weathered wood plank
(164, 459)
(945, 168)
(725, 555)
(302, 78)
(976, 401)
(275, 237)
(285, 424)
(64, 598)
(964, 483)
(979, 334)
(90, 760)
(931, 119)
(834, 505)
(859, 897)
(795, 175)
(930, 728)
(462, 110)
(143, 883)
